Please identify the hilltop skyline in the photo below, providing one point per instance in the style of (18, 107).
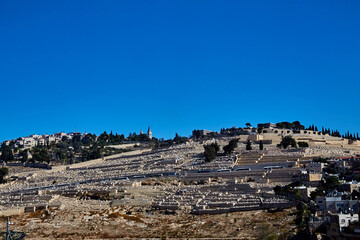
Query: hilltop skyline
(177, 66)
(344, 134)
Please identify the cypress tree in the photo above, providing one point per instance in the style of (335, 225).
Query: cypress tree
(248, 145)
(261, 145)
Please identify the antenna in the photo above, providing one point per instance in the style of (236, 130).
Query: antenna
(12, 235)
(8, 234)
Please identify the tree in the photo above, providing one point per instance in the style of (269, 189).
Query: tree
(76, 138)
(24, 155)
(196, 133)
(77, 146)
(303, 215)
(41, 154)
(297, 126)
(210, 152)
(261, 145)
(288, 141)
(286, 125)
(104, 137)
(179, 139)
(216, 146)
(331, 183)
(248, 125)
(16, 149)
(228, 149)
(248, 145)
(6, 153)
(3, 173)
(297, 194)
(60, 155)
(65, 139)
(303, 144)
(88, 139)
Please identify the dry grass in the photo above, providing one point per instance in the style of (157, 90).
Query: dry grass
(68, 224)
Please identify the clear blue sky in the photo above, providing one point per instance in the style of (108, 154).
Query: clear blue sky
(177, 65)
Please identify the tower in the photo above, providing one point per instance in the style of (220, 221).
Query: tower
(149, 133)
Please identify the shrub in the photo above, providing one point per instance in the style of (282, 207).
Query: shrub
(210, 151)
(288, 141)
(231, 146)
(303, 144)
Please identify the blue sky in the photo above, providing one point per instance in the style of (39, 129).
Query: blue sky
(177, 65)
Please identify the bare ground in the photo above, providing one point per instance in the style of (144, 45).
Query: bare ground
(115, 223)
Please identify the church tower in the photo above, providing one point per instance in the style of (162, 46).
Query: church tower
(149, 133)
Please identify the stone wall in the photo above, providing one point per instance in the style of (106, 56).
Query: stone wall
(12, 211)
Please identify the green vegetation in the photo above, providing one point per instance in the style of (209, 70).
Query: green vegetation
(80, 148)
(288, 141)
(329, 184)
(248, 145)
(266, 232)
(287, 190)
(211, 151)
(235, 131)
(178, 139)
(303, 144)
(335, 133)
(6, 153)
(228, 149)
(41, 154)
(288, 125)
(261, 145)
(302, 216)
(3, 173)
(196, 134)
(295, 126)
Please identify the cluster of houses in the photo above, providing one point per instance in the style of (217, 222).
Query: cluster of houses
(335, 214)
(40, 140)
